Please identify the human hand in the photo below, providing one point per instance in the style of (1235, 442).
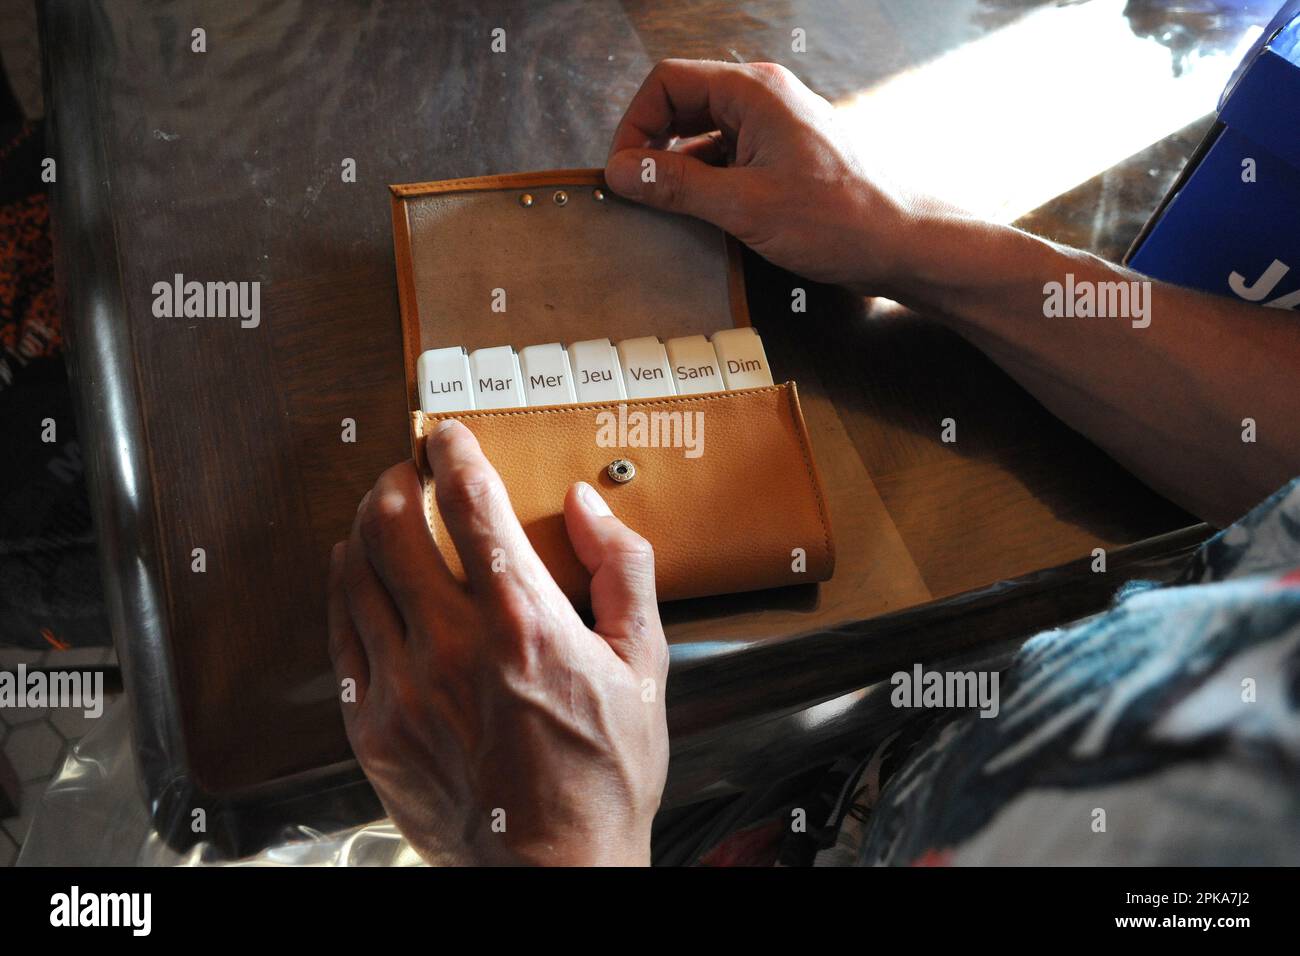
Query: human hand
(755, 152)
(495, 726)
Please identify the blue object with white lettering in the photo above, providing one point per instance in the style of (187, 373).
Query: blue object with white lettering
(1229, 224)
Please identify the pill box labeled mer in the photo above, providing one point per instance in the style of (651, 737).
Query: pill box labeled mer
(724, 483)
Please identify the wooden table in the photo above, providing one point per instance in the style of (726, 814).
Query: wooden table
(225, 165)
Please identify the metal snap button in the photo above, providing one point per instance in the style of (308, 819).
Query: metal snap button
(621, 470)
(560, 197)
(598, 195)
(526, 200)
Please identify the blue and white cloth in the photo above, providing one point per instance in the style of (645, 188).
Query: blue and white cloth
(1163, 731)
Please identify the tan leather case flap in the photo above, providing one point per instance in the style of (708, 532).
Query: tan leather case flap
(734, 505)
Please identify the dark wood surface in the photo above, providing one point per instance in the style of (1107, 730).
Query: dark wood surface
(226, 166)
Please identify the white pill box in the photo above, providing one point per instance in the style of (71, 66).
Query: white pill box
(694, 365)
(444, 380)
(495, 374)
(546, 374)
(741, 358)
(597, 375)
(646, 372)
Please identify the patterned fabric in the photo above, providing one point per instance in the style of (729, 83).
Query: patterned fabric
(1165, 730)
(50, 595)
(29, 322)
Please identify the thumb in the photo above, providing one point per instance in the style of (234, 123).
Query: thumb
(622, 568)
(678, 182)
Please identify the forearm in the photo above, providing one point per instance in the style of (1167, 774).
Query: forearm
(1167, 400)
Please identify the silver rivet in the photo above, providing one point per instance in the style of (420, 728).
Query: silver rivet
(526, 200)
(560, 197)
(621, 470)
(598, 195)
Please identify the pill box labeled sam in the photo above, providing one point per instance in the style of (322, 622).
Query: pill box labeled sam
(723, 482)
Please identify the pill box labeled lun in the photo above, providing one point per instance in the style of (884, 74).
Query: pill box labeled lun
(444, 380)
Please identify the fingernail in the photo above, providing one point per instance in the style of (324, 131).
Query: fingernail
(442, 426)
(623, 174)
(592, 501)
(364, 498)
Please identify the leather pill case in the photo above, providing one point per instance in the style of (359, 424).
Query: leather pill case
(724, 485)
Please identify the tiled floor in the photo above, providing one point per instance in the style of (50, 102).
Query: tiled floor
(34, 741)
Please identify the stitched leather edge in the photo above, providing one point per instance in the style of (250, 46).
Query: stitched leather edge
(595, 406)
(796, 413)
(585, 176)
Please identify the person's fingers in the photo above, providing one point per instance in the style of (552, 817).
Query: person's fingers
(346, 651)
(373, 614)
(680, 182)
(685, 98)
(496, 553)
(622, 569)
(711, 148)
(400, 547)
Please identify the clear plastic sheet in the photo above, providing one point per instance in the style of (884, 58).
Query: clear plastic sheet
(94, 814)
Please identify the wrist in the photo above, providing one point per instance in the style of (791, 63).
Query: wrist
(596, 850)
(948, 263)
(594, 840)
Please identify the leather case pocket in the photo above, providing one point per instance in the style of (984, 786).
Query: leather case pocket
(730, 497)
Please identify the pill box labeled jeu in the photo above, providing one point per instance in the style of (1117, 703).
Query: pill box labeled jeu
(722, 483)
